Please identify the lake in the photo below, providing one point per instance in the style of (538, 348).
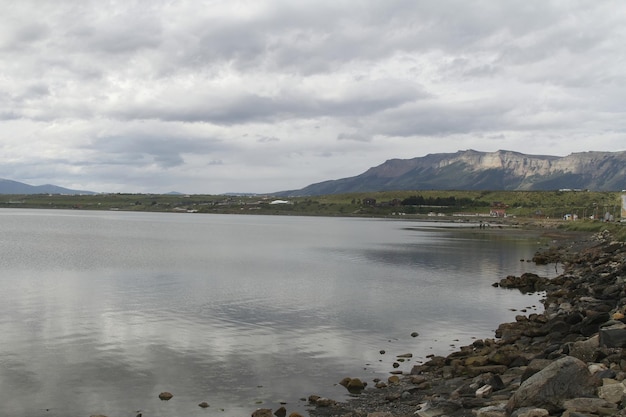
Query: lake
(102, 311)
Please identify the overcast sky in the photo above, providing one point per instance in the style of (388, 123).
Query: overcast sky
(261, 96)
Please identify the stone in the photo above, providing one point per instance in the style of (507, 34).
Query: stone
(613, 393)
(613, 337)
(355, 385)
(262, 412)
(393, 379)
(325, 402)
(280, 412)
(491, 411)
(477, 361)
(380, 414)
(439, 409)
(484, 391)
(494, 369)
(344, 382)
(165, 396)
(294, 414)
(535, 366)
(585, 349)
(564, 379)
(203, 404)
(531, 412)
(587, 405)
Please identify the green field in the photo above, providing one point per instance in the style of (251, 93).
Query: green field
(519, 204)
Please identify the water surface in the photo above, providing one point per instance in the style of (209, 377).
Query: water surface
(102, 311)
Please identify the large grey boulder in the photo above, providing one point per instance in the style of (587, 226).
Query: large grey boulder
(564, 379)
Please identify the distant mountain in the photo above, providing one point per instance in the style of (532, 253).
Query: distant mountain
(474, 170)
(15, 187)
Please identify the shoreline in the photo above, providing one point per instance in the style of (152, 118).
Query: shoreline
(490, 377)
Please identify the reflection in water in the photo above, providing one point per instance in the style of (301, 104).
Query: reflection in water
(103, 311)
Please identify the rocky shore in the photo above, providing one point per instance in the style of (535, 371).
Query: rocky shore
(567, 361)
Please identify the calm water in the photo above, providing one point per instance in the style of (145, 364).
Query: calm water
(102, 311)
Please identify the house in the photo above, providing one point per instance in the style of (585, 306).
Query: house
(494, 212)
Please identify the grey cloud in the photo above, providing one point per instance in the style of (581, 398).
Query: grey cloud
(166, 152)
(267, 139)
(231, 107)
(434, 119)
(359, 137)
(121, 34)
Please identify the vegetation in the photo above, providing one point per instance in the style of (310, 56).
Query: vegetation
(519, 204)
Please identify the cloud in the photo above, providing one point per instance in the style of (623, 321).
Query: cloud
(149, 95)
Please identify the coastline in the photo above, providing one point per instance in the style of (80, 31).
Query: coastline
(491, 377)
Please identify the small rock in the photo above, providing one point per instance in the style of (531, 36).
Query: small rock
(325, 402)
(344, 382)
(491, 411)
(165, 396)
(414, 334)
(613, 393)
(531, 412)
(280, 412)
(393, 379)
(294, 414)
(356, 385)
(484, 391)
(203, 404)
(613, 337)
(587, 405)
(262, 412)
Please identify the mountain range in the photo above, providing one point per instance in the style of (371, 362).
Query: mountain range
(474, 170)
(15, 187)
(462, 170)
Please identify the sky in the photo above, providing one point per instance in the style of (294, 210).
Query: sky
(211, 97)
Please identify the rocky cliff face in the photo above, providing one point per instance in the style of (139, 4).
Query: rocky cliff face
(473, 170)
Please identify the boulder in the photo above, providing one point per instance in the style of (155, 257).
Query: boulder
(564, 379)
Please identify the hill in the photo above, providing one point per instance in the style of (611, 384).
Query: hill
(15, 187)
(473, 171)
